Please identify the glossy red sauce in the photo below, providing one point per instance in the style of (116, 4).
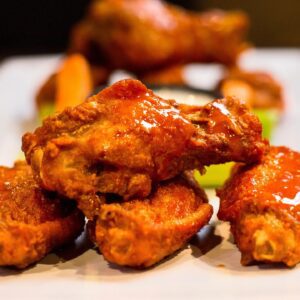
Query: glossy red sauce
(273, 184)
(284, 188)
(223, 120)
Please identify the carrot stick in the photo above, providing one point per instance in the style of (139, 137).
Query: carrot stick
(74, 82)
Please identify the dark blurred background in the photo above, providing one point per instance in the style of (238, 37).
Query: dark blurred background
(42, 26)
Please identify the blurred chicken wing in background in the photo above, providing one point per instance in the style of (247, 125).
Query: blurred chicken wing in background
(259, 89)
(142, 35)
(152, 39)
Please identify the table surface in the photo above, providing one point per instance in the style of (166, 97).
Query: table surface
(207, 268)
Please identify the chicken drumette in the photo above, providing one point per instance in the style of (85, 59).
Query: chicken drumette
(32, 222)
(144, 35)
(150, 38)
(259, 89)
(141, 232)
(261, 202)
(124, 139)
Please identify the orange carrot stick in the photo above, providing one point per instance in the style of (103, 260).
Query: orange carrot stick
(74, 82)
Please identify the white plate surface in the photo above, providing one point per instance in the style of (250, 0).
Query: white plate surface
(208, 268)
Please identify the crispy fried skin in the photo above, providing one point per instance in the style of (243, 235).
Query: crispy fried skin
(139, 233)
(126, 138)
(262, 204)
(32, 222)
(260, 89)
(144, 35)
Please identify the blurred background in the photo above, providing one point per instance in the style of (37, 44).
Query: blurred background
(42, 26)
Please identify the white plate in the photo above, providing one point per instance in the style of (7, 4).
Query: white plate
(208, 268)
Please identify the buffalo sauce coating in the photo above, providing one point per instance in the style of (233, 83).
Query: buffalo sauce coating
(158, 123)
(272, 184)
(284, 188)
(261, 202)
(222, 118)
(221, 121)
(136, 105)
(224, 122)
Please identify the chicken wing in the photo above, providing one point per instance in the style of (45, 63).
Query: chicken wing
(32, 222)
(126, 138)
(150, 38)
(261, 202)
(144, 35)
(139, 233)
(259, 89)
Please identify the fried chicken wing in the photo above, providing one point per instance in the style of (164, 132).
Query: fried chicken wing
(126, 138)
(139, 233)
(143, 35)
(150, 38)
(259, 89)
(261, 202)
(32, 222)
